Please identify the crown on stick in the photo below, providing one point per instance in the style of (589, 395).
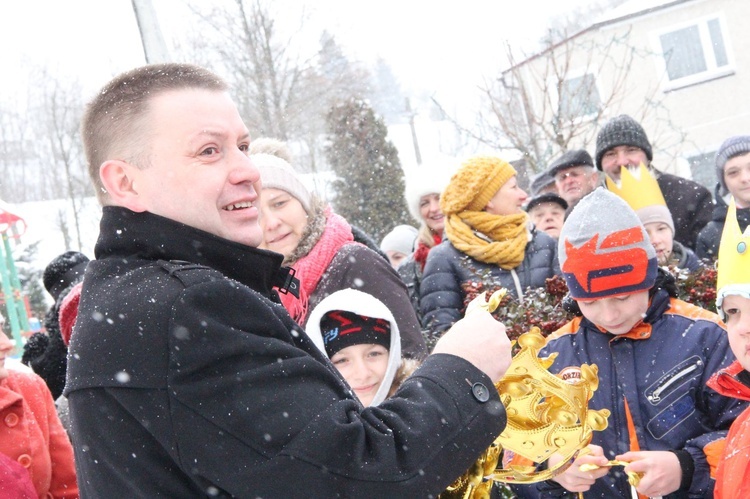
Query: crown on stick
(637, 187)
(545, 414)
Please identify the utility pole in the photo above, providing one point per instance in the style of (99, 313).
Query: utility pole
(154, 48)
(413, 132)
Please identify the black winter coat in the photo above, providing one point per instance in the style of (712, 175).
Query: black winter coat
(707, 245)
(690, 204)
(186, 380)
(448, 271)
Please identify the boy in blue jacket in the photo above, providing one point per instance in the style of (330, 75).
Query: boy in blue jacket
(655, 354)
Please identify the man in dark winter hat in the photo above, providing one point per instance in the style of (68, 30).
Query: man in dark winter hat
(47, 353)
(186, 376)
(733, 174)
(547, 211)
(622, 141)
(542, 183)
(575, 175)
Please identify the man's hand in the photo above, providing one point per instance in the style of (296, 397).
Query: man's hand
(481, 340)
(661, 471)
(575, 480)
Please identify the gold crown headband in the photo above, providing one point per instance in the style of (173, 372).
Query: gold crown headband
(733, 265)
(638, 188)
(545, 415)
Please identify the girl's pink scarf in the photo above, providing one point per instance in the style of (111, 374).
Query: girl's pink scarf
(311, 267)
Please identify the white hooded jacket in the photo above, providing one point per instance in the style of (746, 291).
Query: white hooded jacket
(351, 300)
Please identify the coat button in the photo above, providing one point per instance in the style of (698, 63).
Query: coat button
(480, 392)
(24, 460)
(11, 419)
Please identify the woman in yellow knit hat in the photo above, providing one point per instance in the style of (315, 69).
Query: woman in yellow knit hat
(489, 243)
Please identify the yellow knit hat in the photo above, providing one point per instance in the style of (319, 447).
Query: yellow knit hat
(474, 184)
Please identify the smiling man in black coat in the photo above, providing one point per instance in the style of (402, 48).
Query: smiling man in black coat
(187, 378)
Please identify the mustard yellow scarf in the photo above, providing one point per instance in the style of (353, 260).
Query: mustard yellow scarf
(508, 236)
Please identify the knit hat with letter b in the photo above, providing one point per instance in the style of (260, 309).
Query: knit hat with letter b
(604, 249)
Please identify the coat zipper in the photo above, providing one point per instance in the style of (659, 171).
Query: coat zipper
(655, 396)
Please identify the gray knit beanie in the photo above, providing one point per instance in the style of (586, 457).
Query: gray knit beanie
(603, 256)
(621, 131)
(278, 174)
(733, 146)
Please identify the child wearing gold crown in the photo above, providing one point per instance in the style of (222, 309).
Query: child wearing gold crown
(642, 193)
(733, 304)
(654, 353)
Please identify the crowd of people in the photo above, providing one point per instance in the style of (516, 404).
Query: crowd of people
(254, 343)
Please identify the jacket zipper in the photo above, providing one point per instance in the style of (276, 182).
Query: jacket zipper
(654, 397)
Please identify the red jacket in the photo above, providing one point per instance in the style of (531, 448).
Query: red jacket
(734, 466)
(31, 433)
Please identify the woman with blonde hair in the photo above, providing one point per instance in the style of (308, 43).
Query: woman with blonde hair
(320, 246)
(490, 243)
(422, 188)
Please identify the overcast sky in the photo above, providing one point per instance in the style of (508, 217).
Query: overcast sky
(430, 44)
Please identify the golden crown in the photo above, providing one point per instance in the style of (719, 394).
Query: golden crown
(733, 265)
(545, 414)
(638, 188)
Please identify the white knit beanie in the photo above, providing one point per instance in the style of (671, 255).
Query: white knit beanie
(400, 239)
(429, 178)
(278, 174)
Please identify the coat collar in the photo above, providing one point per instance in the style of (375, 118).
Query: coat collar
(727, 382)
(129, 235)
(8, 396)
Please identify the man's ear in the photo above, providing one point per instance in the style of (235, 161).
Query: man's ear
(119, 179)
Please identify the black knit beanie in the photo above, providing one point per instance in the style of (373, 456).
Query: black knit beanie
(63, 271)
(621, 131)
(733, 146)
(341, 329)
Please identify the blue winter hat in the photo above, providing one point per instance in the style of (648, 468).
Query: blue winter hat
(602, 256)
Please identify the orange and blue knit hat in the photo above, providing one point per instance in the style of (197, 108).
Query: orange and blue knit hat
(604, 249)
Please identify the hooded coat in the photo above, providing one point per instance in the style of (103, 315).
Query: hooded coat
(366, 305)
(643, 378)
(187, 378)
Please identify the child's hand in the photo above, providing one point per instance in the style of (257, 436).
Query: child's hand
(575, 480)
(660, 470)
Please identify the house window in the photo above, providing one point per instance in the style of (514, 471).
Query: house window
(703, 168)
(579, 97)
(695, 52)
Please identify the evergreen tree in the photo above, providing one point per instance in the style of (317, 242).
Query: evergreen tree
(369, 189)
(31, 281)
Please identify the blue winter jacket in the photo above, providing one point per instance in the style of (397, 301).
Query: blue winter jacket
(449, 270)
(661, 368)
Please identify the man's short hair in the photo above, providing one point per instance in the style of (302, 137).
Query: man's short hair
(112, 126)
